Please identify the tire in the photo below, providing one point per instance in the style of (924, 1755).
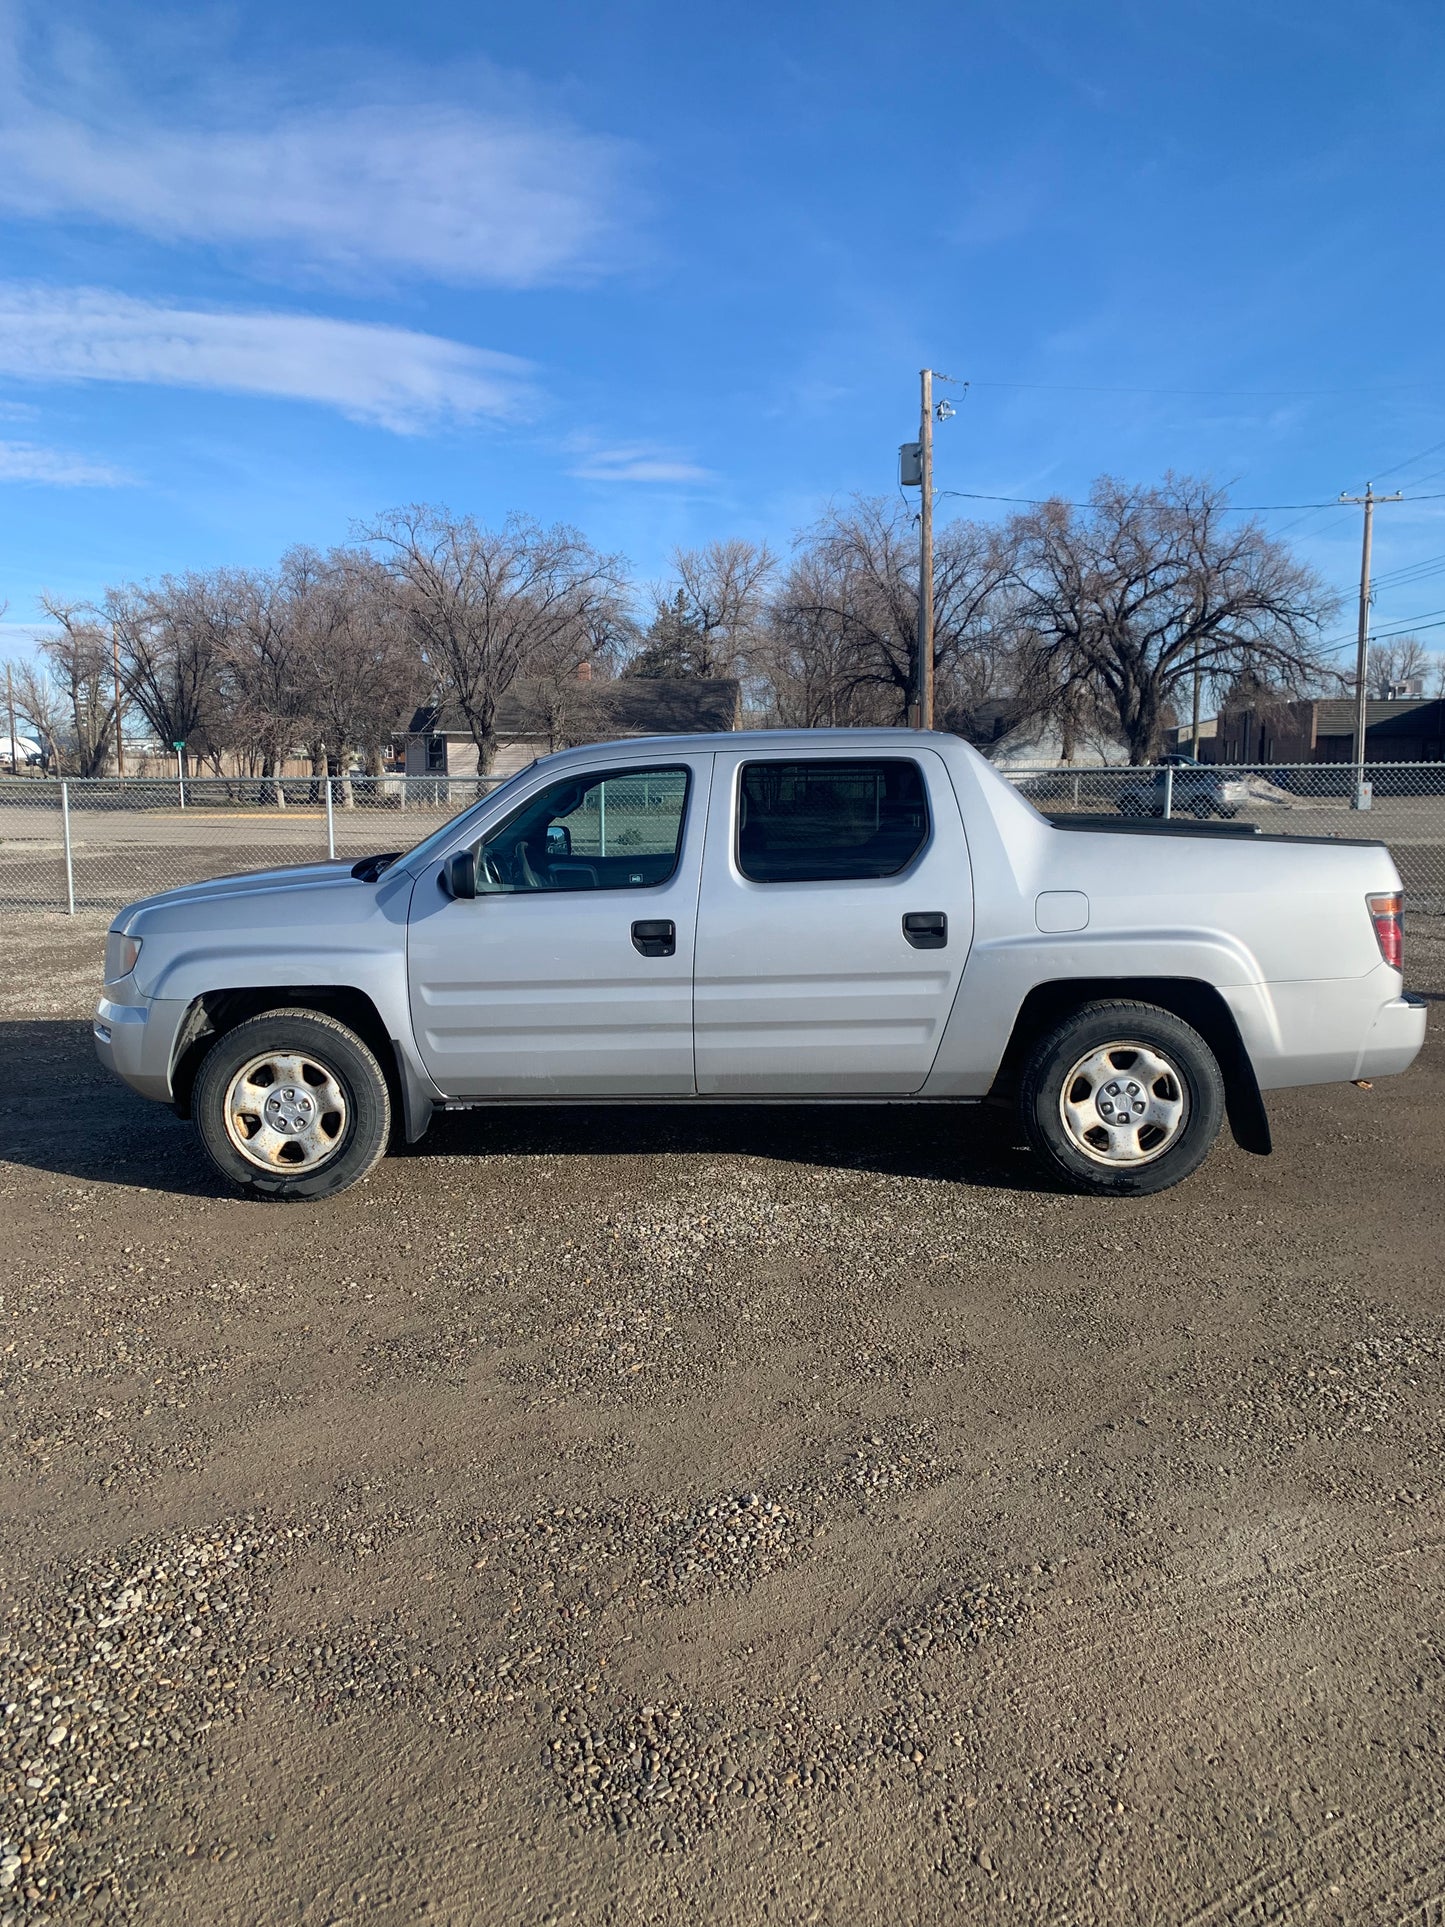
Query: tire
(1088, 1053)
(314, 1132)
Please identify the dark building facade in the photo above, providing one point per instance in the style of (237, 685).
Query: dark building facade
(1410, 730)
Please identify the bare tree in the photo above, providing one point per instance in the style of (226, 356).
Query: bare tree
(357, 671)
(485, 604)
(862, 584)
(559, 696)
(853, 595)
(35, 702)
(1131, 594)
(979, 661)
(253, 630)
(711, 613)
(812, 668)
(81, 669)
(724, 586)
(1389, 664)
(169, 636)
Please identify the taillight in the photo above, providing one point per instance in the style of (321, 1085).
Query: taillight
(1387, 913)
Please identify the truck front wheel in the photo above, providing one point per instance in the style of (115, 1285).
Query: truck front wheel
(1122, 1098)
(291, 1105)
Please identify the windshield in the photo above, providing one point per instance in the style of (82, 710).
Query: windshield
(433, 843)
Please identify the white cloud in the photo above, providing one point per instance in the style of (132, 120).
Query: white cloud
(391, 376)
(28, 462)
(511, 196)
(636, 462)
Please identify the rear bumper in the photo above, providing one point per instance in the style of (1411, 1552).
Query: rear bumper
(1329, 1031)
(135, 1040)
(1395, 1038)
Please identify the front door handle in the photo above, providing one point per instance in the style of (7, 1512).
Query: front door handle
(926, 929)
(655, 939)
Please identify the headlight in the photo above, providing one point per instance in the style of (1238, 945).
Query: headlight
(120, 955)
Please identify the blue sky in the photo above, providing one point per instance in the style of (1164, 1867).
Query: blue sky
(670, 272)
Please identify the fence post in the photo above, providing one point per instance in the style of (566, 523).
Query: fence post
(69, 859)
(330, 822)
(1168, 791)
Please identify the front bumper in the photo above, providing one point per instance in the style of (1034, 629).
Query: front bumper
(1395, 1038)
(135, 1041)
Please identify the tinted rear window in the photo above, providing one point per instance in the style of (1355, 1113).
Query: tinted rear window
(830, 821)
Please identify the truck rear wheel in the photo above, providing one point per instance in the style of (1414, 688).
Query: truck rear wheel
(292, 1105)
(1122, 1099)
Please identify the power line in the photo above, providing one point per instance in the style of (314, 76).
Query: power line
(1311, 511)
(1257, 394)
(1041, 501)
(1408, 628)
(1232, 508)
(1310, 516)
(1409, 572)
(1410, 460)
(1381, 635)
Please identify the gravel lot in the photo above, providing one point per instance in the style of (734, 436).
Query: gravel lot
(754, 1517)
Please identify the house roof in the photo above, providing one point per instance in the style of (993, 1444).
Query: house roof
(628, 706)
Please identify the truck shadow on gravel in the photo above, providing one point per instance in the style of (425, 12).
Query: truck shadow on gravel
(962, 1145)
(62, 1112)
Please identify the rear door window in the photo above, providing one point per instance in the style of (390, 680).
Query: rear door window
(830, 821)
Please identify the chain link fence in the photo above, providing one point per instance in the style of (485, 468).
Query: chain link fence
(1405, 805)
(98, 844)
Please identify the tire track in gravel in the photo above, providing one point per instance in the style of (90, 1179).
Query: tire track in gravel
(1369, 1843)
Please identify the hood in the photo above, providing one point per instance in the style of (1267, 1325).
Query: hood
(294, 876)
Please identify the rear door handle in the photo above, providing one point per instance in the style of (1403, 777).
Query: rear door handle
(926, 929)
(655, 939)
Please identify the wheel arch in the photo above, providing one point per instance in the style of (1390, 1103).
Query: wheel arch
(1196, 1002)
(215, 1012)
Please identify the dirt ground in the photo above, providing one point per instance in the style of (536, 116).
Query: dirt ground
(628, 1517)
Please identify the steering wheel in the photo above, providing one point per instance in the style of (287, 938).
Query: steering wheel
(488, 868)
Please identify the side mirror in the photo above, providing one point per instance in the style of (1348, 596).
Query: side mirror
(459, 875)
(559, 840)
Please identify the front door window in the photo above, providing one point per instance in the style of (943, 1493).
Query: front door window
(614, 831)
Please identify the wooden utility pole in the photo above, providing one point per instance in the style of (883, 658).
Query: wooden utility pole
(925, 555)
(119, 729)
(1194, 751)
(1366, 501)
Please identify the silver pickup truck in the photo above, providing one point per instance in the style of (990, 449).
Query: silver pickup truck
(822, 916)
